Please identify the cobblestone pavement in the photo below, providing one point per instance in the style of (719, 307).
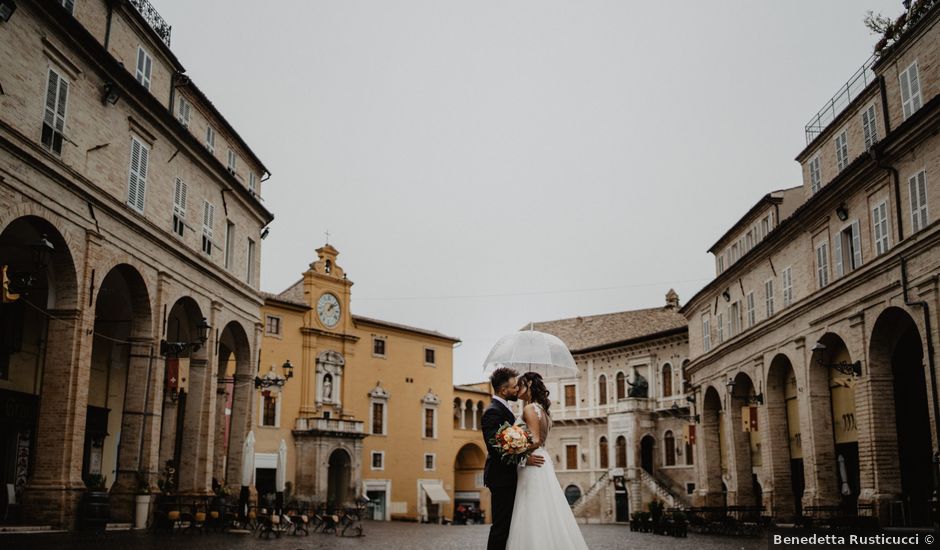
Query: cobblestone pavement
(379, 535)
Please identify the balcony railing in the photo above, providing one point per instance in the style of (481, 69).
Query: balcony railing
(329, 425)
(153, 18)
(849, 91)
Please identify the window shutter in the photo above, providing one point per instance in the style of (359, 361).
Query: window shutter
(137, 178)
(179, 197)
(837, 252)
(856, 245)
(869, 127)
(915, 211)
(905, 94)
(914, 80)
(208, 215)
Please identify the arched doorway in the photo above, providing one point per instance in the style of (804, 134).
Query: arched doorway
(234, 391)
(468, 474)
(338, 475)
(786, 449)
(38, 342)
(713, 445)
(745, 438)
(897, 351)
(647, 445)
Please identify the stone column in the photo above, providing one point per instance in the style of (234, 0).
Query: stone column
(709, 451)
(775, 452)
(819, 456)
(195, 470)
(241, 423)
(741, 489)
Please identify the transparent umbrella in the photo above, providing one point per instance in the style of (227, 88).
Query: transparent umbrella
(280, 477)
(531, 351)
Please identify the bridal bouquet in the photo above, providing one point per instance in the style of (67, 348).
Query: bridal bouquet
(512, 441)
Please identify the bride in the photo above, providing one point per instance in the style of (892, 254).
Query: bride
(541, 517)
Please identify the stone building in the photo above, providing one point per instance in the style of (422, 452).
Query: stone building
(813, 361)
(620, 438)
(367, 410)
(130, 225)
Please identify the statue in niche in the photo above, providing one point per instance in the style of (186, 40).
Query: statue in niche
(639, 387)
(327, 387)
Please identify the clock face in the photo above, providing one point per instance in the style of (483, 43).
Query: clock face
(328, 310)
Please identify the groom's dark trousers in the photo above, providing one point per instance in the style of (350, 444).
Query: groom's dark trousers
(498, 476)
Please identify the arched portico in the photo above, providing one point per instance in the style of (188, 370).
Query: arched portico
(783, 451)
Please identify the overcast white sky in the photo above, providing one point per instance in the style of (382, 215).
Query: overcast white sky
(481, 164)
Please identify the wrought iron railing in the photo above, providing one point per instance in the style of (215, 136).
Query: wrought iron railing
(154, 19)
(849, 91)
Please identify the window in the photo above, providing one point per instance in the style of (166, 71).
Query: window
(210, 139)
(570, 400)
(822, 264)
(232, 160)
(689, 453)
(602, 452)
(572, 494)
(430, 430)
(720, 322)
(378, 460)
(571, 457)
(669, 447)
(787, 275)
(769, 297)
(734, 252)
(252, 182)
(869, 127)
(815, 178)
(842, 150)
(621, 386)
(735, 319)
(69, 5)
(378, 418)
(918, 187)
(602, 390)
(910, 90)
(765, 226)
(185, 110)
(879, 223)
(137, 177)
(273, 325)
(751, 313)
(621, 452)
(229, 243)
(269, 409)
(667, 380)
(429, 358)
(179, 207)
(749, 241)
(144, 67)
(250, 259)
(378, 347)
(847, 249)
(706, 332)
(53, 119)
(429, 459)
(721, 263)
(208, 219)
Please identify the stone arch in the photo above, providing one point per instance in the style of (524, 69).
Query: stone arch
(339, 477)
(713, 449)
(898, 371)
(479, 414)
(621, 452)
(234, 393)
(783, 451)
(648, 452)
(469, 417)
(745, 439)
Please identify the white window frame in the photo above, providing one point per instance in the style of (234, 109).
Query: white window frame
(847, 249)
(919, 215)
(372, 461)
(787, 275)
(252, 182)
(53, 118)
(912, 102)
(144, 74)
(815, 175)
(184, 111)
(229, 244)
(210, 138)
(720, 259)
(384, 403)
(267, 325)
(880, 227)
(769, 304)
(720, 323)
(277, 410)
(869, 126)
(751, 310)
(433, 462)
(706, 332)
(208, 221)
(384, 353)
(822, 264)
(137, 199)
(232, 164)
(180, 191)
(842, 150)
(735, 316)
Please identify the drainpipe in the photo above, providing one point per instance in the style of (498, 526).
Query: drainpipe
(933, 381)
(896, 179)
(107, 29)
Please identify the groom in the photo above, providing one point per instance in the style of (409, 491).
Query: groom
(498, 476)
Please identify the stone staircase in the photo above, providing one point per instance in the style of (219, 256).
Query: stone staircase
(661, 490)
(591, 493)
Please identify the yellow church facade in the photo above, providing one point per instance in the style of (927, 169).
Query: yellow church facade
(370, 408)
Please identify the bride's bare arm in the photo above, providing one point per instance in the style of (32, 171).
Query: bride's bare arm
(531, 418)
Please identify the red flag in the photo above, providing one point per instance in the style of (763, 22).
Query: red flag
(172, 373)
(691, 432)
(753, 418)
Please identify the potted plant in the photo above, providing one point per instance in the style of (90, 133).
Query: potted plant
(142, 501)
(95, 508)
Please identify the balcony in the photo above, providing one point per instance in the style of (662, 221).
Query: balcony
(849, 91)
(329, 425)
(153, 18)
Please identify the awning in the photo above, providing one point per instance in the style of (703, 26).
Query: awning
(435, 492)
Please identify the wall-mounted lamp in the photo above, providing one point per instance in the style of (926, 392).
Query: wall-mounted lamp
(111, 93)
(18, 283)
(7, 7)
(844, 367)
(272, 379)
(265, 232)
(726, 295)
(842, 212)
(749, 399)
(174, 349)
(676, 412)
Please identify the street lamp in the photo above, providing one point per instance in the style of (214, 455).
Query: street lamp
(749, 399)
(272, 380)
(174, 349)
(843, 367)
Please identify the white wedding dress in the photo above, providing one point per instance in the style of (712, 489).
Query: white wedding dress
(541, 517)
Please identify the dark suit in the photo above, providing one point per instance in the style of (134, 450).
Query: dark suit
(498, 476)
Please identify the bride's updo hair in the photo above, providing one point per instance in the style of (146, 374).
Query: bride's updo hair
(538, 393)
